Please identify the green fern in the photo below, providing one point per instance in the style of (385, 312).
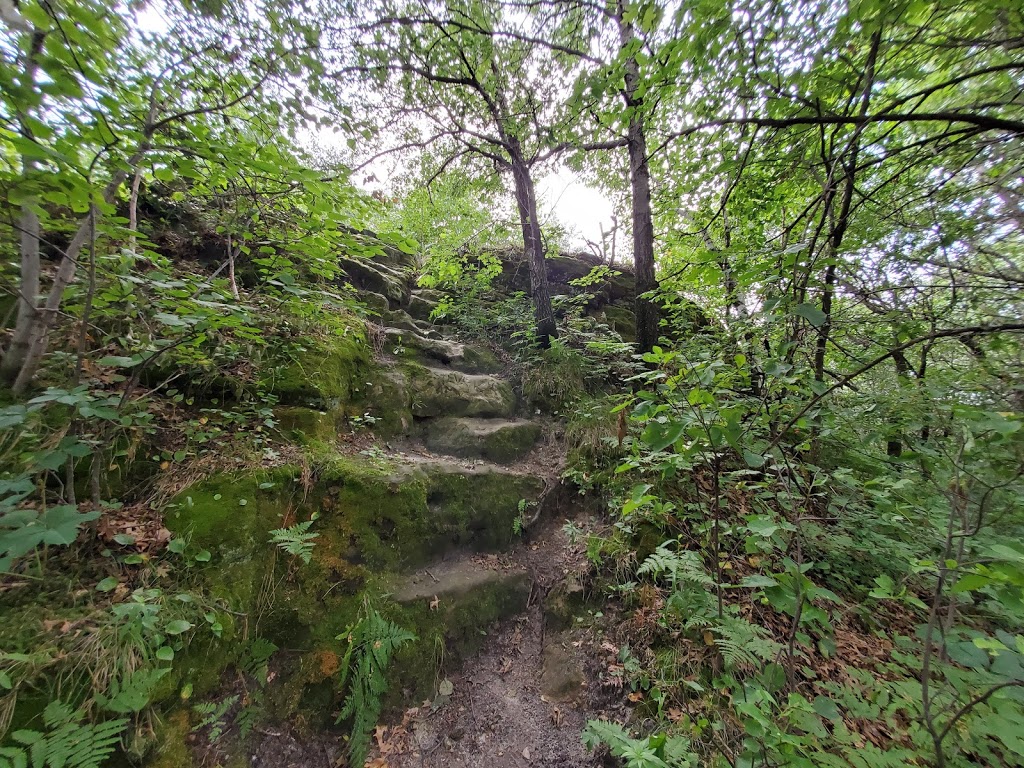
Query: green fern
(213, 713)
(133, 693)
(372, 641)
(655, 751)
(255, 660)
(295, 540)
(67, 742)
(744, 645)
(681, 567)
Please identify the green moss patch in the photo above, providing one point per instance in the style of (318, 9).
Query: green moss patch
(495, 440)
(325, 371)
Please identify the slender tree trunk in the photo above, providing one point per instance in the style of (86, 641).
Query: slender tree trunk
(640, 182)
(526, 201)
(231, 268)
(28, 289)
(894, 442)
(133, 209)
(821, 346)
(26, 363)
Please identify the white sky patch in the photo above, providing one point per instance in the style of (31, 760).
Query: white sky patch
(580, 208)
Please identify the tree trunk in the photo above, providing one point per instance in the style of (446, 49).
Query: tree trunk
(642, 220)
(526, 201)
(27, 361)
(28, 288)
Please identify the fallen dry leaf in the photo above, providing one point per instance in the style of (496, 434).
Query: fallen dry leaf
(435, 603)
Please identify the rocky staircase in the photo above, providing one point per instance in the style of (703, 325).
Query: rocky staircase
(448, 415)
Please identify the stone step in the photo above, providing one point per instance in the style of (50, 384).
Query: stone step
(450, 605)
(400, 320)
(468, 358)
(469, 506)
(457, 577)
(422, 303)
(377, 277)
(435, 392)
(498, 440)
(401, 392)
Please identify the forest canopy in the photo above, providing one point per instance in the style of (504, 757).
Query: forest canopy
(791, 371)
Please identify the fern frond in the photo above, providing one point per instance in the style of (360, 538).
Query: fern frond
(372, 641)
(296, 540)
(743, 644)
(684, 566)
(67, 743)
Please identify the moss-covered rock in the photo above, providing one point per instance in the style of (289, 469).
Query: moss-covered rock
(373, 518)
(449, 607)
(307, 424)
(172, 749)
(376, 276)
(564, 602)
(389, 402)
(375, 302)
(467, 358)
(621, 320)
(472, 506)
(440, 392)
(496, 440)
(421, 306)
(326, 371)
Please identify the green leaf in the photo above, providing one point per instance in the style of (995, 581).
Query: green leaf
(811, 314)
(165, 653)
(107, 584)
(178, 626)
(757, 581)
(177, 546)
(754, 460)
(659, 436)
(118, 361)
(827, 708)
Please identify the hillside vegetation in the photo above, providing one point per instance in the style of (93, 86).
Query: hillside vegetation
(315, 420)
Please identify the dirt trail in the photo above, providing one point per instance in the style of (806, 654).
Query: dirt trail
(525, 698)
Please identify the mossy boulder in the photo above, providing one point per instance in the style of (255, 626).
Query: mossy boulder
(373, 275)
(496, 440)
(413, 346)
(400, 320)
(377, 303)
(324, 371)
(373, 517)
(564, 602)
(172, 749)
(422, 305)
(621, 320)
(305, 425)
(439, 392)
(388, 401)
